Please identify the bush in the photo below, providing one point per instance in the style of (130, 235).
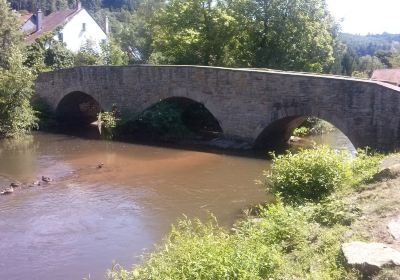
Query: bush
(282, 243)
(365, 165)
(334, 211)
(309, 175)
(301, 131)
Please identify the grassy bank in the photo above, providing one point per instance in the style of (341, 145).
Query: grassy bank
(297, 237)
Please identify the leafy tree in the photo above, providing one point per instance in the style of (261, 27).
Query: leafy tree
(16, 80)
(88, 55)
(112, 54)
(10, 37)
(367, 64)
(295, 35)
(133, 29)
(47, 54)
(291, 35)
(191, 32)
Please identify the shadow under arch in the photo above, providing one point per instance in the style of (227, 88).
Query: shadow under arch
(277, 134)
(171, 115)
(77, 109)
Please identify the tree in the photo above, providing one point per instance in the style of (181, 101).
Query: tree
(367, 64)
(290, 35)
(112, 54)
(16, 80)
(47, 54)
(88, 55)
(191, 32)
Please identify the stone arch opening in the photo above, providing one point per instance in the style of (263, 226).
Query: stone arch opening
(174, 118)
(77, 109)
(278, 134)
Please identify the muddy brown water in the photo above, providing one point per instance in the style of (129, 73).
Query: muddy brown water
(88, 218)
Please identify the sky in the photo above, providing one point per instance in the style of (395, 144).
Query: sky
(367, 16)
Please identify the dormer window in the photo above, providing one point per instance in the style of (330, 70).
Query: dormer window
(84, 27)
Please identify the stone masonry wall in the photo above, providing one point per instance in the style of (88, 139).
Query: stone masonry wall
(244, 101)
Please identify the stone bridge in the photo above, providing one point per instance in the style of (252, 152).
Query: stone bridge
(261, 107)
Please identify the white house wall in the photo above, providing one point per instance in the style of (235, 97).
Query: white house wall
(74, 36)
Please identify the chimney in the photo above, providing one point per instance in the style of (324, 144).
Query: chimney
(39, 19)
(107, 27)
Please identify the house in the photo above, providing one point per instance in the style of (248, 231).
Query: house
(74, 27)
(391, 76)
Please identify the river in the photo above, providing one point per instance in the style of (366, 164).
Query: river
(90, 217)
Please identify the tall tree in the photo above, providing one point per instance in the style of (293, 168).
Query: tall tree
(191, 32)
(288, 35)
(16, 80)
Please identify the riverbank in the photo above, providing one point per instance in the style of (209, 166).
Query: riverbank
(301, 236)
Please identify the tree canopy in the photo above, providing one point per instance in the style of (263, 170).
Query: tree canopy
(16, 80)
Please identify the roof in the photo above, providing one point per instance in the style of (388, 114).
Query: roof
(391, 76)
(51, 22)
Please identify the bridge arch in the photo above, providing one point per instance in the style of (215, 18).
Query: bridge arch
(77, 108)
(179, 111)
(278, 132)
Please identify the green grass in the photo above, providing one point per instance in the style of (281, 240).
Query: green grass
(284, 240)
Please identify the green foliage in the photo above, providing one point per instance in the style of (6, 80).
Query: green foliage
(112, 54)
(16, 88)
(191, 32)
(284, 241)
(163, 120)
(334, 211)
(108, 119)
(301, 131)
(365, 165)
(10, 37)
(309, 175)
(244, 33)
(16, 81)
(88, 55)
(47, 54)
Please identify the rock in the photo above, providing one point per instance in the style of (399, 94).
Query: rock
(369, 258)
(15, 185)
(100, 165)
(36, 183)
(6, 191)
(394, 228)
(46, 179)
(390, 172)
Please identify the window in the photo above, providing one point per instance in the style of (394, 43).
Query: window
(60, 37)
(84, 27)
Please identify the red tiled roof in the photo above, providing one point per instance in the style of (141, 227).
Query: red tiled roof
(387, 75)
(51, 22)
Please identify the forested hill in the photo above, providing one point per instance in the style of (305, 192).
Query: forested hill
(370, 44)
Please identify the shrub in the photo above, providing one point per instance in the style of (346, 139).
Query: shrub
(301, 131)
(334, 211)
(365, 165)
(309, 175)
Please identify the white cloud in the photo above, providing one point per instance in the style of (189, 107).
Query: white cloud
(367, 16)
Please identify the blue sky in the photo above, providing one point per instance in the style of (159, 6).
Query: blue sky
(367, 16)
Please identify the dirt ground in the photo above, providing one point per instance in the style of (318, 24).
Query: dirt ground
(379, 203)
